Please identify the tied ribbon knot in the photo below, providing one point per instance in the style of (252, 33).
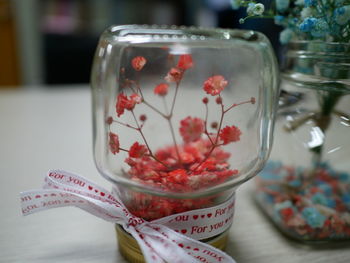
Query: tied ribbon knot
(157, 239)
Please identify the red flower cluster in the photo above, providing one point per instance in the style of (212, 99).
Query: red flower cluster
(185, 62)
(138, 150)
(214, 85)
(178, 177)
(113, 143)
(138, 63)
(161, 89)
(191, 129)
(230, 134)
(176, 73)
(125, 103)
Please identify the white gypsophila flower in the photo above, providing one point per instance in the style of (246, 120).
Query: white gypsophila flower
(258, 9)
(299, 2)
(250, 9)
(306, 12)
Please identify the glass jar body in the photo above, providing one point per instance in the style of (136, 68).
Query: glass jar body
(182, 112)
(182, 116)
(305, 187)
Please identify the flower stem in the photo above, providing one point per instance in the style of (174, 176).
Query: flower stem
(146, 143)
(125, 124)
(153, 108)
(205, 125)
(221, 120)
(174, 99)
(237, 104)
(215, 144)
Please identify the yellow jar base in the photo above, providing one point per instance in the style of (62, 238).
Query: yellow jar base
(131, 251)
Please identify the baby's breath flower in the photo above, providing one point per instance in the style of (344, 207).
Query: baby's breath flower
(310, 3)
(259, 9)
(339, 2)
(320, 28)
(279, 20)
(235, 4)
(250, 9)
(255, 9)
(282, 5)
(327, 20)
(286, 35)
(299, 2)
(342, 15)
(306, 12)
(307, 24)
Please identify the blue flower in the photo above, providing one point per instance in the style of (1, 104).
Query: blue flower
(282, 5)
(319, 198)
(313, 217)
(295, 183)
(235, 4)
(320, 28)
(343, 177)
(307, 24)
(339, 2)
(326, 188)
(346, 200)
(310, 2)
(279, 206)
(331, 203)
(279, 19)
(342, 15)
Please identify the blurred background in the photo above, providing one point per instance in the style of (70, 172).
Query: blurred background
(52, 42)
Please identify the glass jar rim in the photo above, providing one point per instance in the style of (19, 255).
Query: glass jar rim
(185, 33)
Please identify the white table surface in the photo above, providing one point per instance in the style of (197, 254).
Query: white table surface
(45, 129)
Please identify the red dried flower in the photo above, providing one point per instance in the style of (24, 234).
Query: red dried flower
(214, 125)
(191, 129)
(230, 134)
(185, 62)
(109, 120)
(205, 100)
(123, 102)
(214, 85)
(143, 117)
(138, 150)
(136, 99)
(161, 89)
(113, 143)
(174, 75)
(218, 100)
(138, 63)
(178, 176)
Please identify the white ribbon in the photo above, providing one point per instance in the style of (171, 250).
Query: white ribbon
(157, 240)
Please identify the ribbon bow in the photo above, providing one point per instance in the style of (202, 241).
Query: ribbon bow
(158, 242)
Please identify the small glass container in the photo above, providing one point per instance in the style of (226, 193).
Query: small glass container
(305, 188)
(182, 116)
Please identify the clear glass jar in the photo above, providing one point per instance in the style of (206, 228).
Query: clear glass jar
(182, 116)
(305, 187)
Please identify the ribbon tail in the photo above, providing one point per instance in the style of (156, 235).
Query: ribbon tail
(177, 248)
(148, 251)
(39, 200)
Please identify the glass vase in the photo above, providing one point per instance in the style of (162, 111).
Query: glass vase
(182, 116)
(305, 187)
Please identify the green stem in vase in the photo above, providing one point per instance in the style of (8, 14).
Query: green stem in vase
(328, 101)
